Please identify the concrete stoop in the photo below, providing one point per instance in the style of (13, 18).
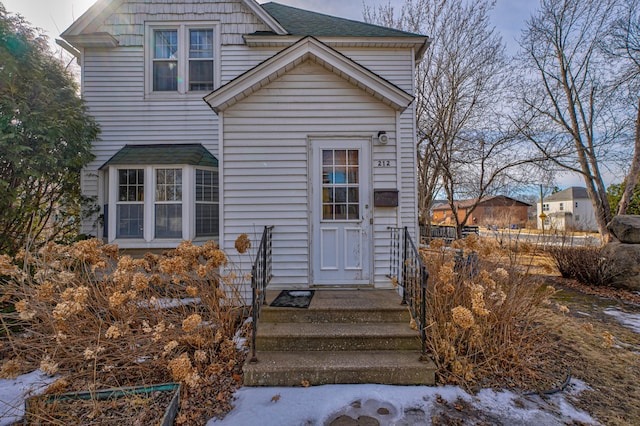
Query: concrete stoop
(345, 336)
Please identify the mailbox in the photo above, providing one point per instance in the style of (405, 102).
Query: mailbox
(385, 198)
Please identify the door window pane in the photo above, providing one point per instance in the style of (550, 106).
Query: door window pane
(340, 184)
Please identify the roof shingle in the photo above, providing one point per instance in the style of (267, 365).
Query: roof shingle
(190, 154)
(301, 22)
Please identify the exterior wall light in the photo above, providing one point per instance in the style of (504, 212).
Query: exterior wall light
(382, 137)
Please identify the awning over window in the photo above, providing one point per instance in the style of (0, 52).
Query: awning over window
(143, 155)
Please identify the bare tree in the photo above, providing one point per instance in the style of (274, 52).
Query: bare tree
(623, 43)
(568, 110)
(463, 147)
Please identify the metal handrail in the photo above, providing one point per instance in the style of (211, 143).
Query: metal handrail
(408, 270)
(261, 274)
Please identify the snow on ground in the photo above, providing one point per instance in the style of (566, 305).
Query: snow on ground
(13, 393)
(389, 405)
(398, 405)
(629, 320)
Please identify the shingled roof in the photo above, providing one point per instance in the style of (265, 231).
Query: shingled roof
(300, 22)
(191, 154)
(569, 194)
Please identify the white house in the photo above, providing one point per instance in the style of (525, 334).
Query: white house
(222, 117)
(570, 209)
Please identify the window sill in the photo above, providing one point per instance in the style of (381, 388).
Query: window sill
(172, 96)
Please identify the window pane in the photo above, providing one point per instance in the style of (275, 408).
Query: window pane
(129, 221)
(206, 185)
(327, 157)
(166, 44)
(168, 184)
(353, 157)
(206, 220)
(200, 75)
(201, 43)
(168, 220)
(327, 212)
(353, 195)
(165, 76)
(130, 185)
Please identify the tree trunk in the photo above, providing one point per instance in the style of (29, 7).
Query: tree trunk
(634, 172)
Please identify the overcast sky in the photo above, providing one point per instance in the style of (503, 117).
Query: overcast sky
(55, 16)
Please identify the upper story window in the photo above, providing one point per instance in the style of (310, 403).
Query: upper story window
(545, 207)
(181, 58)
(561, 206)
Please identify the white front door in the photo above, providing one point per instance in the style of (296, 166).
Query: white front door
(341, 212)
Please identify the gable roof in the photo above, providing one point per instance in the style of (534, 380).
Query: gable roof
(495, 200)
(569, 194)
(308, 48)
(302, 22)
(93, 18)
(334, 31)
(190, 154)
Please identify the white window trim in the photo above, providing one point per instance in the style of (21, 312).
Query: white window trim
(183, 57)
(188, 206)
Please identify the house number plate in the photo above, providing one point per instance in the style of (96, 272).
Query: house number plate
(383, 163)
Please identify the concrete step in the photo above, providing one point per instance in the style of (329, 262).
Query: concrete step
(319, 368)
(336, 337)
(343, 306)
(335, 315)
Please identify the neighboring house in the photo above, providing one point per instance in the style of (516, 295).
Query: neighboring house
(496, 210)
(570, 209)
(307, 124)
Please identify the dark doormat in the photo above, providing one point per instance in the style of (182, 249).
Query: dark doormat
(293, 299)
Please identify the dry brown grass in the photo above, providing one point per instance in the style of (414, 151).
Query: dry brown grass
(600, 352)
(484, 322)
(103, 320)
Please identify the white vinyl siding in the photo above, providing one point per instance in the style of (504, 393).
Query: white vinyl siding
(265, 169)
(265, 176)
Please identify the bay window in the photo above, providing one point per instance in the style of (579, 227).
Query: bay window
(161, 194)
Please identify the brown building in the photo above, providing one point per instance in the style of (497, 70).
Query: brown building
(497, 211)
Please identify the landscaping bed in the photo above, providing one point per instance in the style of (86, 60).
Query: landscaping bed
(155, 405)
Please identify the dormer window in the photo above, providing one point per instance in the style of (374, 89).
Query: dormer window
(181, 58)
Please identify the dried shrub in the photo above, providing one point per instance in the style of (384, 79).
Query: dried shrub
(483, 312)
(100, 319)
(583, 263)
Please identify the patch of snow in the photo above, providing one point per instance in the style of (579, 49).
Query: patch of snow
(241, 342)
(629, 320)
(13, 393)
(300, 293)
(169, 303)
(393, 405)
